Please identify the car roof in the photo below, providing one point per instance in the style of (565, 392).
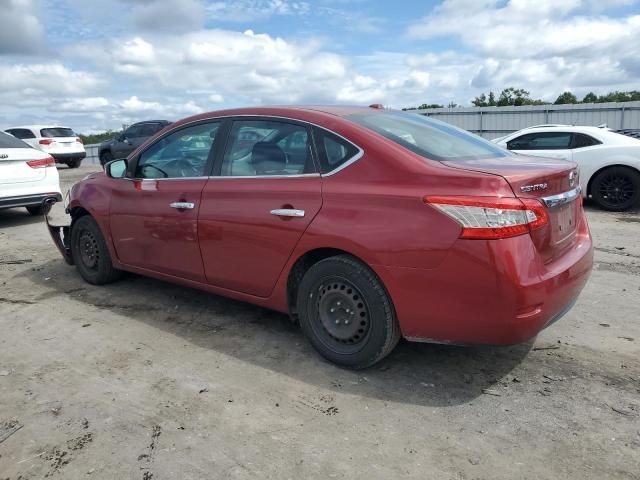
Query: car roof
(299, 112)
(36, 127)
(151, 121)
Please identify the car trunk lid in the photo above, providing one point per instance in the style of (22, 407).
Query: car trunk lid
(15, 169)
(553, 182)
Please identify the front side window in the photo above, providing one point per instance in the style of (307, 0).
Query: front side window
(541, 141)
(57, 132)
(267, 148)
(181, 154)
(132, 132)
(148, 129)
(427, 137)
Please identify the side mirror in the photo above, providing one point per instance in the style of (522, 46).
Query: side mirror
(121, 137)
(116, 168)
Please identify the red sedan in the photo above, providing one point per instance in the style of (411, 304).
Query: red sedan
(364, 224)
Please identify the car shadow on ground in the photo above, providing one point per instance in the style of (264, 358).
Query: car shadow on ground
(16, 217)
(422, 374)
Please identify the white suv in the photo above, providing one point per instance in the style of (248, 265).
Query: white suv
(28, 177)
(62, 143)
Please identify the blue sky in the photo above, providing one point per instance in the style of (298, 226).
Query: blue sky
(98, 64)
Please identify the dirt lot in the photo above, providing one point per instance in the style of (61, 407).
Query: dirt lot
(142, 379)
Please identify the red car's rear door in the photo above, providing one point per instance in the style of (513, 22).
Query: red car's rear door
(154, 214)
(254, 211)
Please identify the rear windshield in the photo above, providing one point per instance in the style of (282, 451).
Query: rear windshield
(57, 132)
(9, 141)
(430, 138)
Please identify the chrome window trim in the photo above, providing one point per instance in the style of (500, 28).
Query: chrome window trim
(296, 175)
(562, 198)
(342, 166)
(300, 175)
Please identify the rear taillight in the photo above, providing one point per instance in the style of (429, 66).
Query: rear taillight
(78, 139)
(492, 217)
(41, 163)
(46, 141)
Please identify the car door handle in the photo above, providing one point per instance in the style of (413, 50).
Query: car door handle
(287, 212)
(182, 205)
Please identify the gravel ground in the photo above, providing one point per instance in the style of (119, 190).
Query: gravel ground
(145, 380)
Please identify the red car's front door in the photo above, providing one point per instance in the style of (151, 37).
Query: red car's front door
(254, 212)
(154, 215)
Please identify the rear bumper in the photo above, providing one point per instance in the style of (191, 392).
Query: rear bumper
(59, 226)
(496, 292)
(29, 200)
(62, 157)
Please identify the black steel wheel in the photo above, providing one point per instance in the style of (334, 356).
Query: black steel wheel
(616, 188)
(346, 313)
(90, 253)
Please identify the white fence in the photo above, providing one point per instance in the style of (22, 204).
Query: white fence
(492, 122)
(92, 154)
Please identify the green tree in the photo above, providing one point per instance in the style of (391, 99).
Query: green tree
(480, 101)
(492, 100)
(565, 97)
(590, 98)
(514, 96)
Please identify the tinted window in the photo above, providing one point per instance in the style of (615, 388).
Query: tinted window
(581, 140)
(428, 137)
(21, 133)
(133, 131)
(57, 132)
(541, 141)
(148, 129)
(267, 148)
(9, 141)
(334, 151)
(184, 153)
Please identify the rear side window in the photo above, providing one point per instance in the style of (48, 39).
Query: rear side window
(427, 137)
(21, 133)
(581, 140)
(333, 151)
(541, 141)
(57, 132)
(267, 148)
(9, 141)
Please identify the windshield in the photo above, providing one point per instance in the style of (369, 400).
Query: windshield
(9, 141)
(428, 137)
(57, 132)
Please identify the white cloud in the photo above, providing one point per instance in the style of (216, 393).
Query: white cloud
(543, 45)
(20, 29)
(173, 16)
(247, 10)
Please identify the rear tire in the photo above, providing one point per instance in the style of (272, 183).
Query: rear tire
(105, 157)
(75, 163)
(616, 188)
(90, 253)
(346, 313)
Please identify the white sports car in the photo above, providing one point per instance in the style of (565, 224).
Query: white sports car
(28, 177)
(609, 162)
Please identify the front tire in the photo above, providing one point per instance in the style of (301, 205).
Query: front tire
(616, 188)
(346, 313)
(90, 253)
